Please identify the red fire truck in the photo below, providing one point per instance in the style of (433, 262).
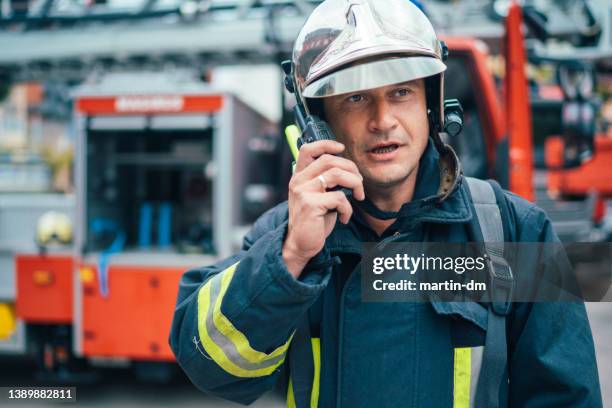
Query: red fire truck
(168, 174)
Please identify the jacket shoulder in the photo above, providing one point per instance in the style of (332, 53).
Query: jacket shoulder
(268, 221)
(528, 222)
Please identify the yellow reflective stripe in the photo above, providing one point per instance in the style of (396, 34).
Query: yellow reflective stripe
(316, 354)
(461, 378)
(290, 396)
(221, 353)
(227, 328)
(314, 397)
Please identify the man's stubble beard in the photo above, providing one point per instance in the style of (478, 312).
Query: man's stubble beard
(381, 185)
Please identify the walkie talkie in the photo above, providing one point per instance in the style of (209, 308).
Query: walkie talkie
(311, 127)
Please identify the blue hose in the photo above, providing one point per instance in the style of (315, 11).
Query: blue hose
(100, 226)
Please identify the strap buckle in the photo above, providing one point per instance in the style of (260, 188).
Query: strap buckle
(501, 284)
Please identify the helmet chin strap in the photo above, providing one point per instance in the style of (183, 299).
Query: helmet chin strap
(370, 208)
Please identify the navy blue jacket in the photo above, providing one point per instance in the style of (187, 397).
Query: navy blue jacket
(234, 320)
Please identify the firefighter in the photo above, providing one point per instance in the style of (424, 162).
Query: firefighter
(291, 298)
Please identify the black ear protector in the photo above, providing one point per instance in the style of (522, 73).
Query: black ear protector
(453, 117)
(453, 111)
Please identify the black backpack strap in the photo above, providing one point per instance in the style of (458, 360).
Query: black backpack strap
(488, 200)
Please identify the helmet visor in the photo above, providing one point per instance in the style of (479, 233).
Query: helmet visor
(373, 75)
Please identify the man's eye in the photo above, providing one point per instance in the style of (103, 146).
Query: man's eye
(402, 92)
(355, 98)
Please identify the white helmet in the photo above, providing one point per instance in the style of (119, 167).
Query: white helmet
(353, 45)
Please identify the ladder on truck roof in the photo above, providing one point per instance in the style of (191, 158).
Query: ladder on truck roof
(53, 40)
(67, 40)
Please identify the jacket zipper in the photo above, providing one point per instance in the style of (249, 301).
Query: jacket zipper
(396, 235)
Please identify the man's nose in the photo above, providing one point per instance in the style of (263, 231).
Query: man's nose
(382, 118)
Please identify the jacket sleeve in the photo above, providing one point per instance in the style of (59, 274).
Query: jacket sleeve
(234, 320)
(551, 352)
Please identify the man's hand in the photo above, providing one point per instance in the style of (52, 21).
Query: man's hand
(312, 209)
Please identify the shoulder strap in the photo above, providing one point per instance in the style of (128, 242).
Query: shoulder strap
(495, 358)
(491, 224)
(487, 210)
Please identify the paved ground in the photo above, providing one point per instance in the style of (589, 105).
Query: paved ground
(118, 388)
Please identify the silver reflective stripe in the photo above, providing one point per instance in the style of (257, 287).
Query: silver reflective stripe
(476, 363)
(228, 347)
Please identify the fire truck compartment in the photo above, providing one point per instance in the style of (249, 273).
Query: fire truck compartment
(153, 187)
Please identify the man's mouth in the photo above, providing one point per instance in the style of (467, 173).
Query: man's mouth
(384, 149)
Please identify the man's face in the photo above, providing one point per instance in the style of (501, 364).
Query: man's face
(385, 130)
